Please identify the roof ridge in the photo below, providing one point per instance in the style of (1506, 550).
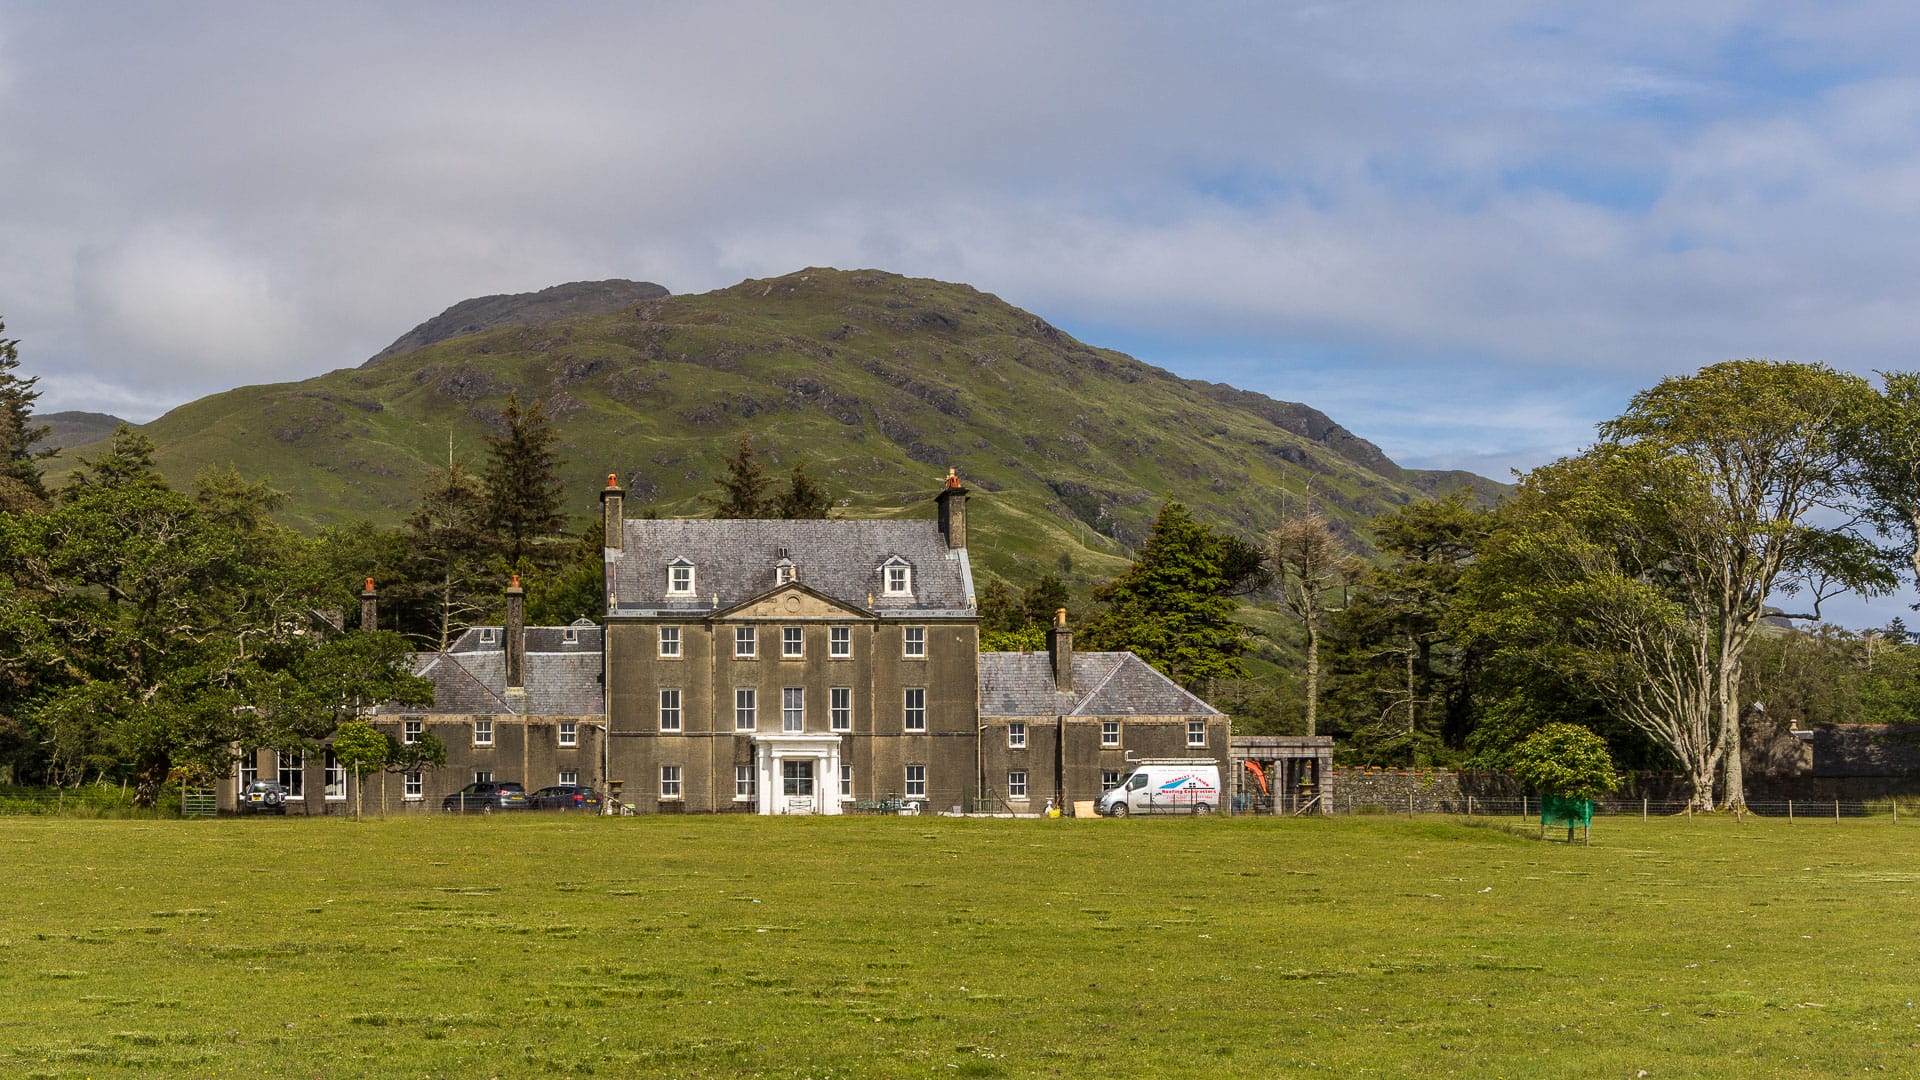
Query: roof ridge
(1095, 692)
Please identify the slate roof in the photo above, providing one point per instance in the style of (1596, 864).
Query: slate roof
(734, 561)
(1104, 684)
(563, 678)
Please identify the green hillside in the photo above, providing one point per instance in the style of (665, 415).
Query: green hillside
(880, 382)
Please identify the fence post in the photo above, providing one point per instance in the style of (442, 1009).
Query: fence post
(1836, 809)
(1643, 809)
(1410, 805)
(1470, 808)
(1789, 811)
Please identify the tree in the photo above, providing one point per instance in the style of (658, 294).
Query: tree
(743, 487)
(1174, 606)
(1770, 442)
(804, 498)
(1309, 560)
(424, 752)
(1883, 442)
(359, 747)
(524, 496)
(448, 545)
(1400, 682)
(20, 482)
(1564, 760)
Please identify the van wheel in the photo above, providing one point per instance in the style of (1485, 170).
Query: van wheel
(1203, 808)
(1119, 809)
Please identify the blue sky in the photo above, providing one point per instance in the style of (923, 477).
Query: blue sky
(1468, 232)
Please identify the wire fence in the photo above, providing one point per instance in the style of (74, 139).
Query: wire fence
(1528, 807)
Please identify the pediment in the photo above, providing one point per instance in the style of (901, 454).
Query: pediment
(793, 600)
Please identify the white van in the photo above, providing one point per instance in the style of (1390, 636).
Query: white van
(1165, 786)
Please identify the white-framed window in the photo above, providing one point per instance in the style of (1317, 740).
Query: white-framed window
(916, 643)
(568, 776)
(793, 708)
(292, 770)
(1109, 733)
(410, 730)
(336, 778)
(569, 733)
(1017, 736)
(483, 731)
(680, 578)
(249, 769)
(915, 711)
(670, 642)
(1017, 784)
(793, 643)
(746, 708)
(782, 572)
(570, 635)
(846, 781)
(897, 578)
(746, 782)
(670, 709)
(1196, 733)
(840, 708)
(483, 776)
(1109, 779)
(411, 787)
(839, 642)
(669, 781)
(746, 642)
(916, 781)
(488, 635)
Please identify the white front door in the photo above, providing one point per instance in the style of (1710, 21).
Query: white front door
(797, 788)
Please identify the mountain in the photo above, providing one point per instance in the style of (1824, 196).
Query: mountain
(66, 429)
(523, 309)
(879, 382)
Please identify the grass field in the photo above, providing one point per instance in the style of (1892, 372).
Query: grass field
(547, 946)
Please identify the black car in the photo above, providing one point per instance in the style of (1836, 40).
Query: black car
(486, 796)
(263, 797)
(565, 797)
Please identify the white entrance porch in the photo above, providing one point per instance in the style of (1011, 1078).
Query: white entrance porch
(797, 774)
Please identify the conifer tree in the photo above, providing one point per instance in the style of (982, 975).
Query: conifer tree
(523, 492)
(804, 497)
(743, 487)
(449, 547)
(20, 483)
(1174, 607)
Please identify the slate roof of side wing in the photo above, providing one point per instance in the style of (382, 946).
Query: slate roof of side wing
(1104, 684)
(735, 560)
(563, 677)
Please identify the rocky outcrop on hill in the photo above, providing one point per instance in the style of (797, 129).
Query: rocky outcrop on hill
(523, 309)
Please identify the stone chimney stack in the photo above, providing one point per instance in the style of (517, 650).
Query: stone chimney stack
(1060, 650)
(613, 501)
(369, 608)
(516, 643)
(953, 512)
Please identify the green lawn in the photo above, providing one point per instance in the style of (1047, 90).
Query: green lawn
(543, 946)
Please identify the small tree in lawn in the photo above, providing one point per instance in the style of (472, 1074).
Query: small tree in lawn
(359, 748)
(423, 753)
(1565, 760)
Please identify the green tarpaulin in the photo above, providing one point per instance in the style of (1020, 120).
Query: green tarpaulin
(1557, 810)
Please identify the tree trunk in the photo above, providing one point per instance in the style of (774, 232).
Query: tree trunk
(1313, 679)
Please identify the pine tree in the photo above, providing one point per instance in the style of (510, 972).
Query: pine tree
(523, 494)
(1174, 607)
(21, 487)
(743, 487)
(804, 497)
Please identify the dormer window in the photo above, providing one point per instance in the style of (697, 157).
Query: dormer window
(680, 578)
(569, 636)
(486, 635)
(783, 571)
(896, 578)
